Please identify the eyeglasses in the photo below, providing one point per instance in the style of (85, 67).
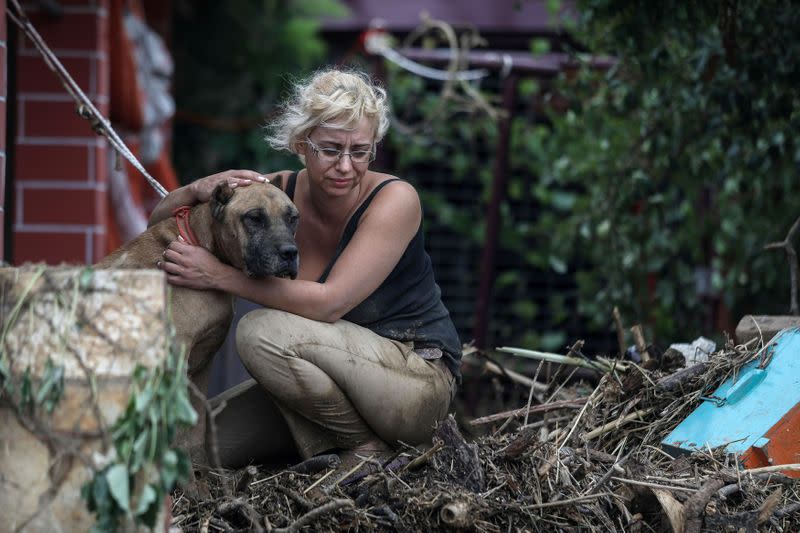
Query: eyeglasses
(332, 155)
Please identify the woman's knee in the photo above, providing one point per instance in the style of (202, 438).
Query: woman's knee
(262, 332)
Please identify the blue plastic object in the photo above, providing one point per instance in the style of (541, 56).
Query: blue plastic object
(741, 412)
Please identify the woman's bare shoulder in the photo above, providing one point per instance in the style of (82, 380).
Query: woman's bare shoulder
(397, 184)
(395, 195)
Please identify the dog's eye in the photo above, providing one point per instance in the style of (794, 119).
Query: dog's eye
(292, 218)
(255, 216)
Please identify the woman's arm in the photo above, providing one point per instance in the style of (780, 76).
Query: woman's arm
(200, 191)
(383, 234)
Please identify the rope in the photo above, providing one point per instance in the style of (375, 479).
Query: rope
(83, 106)
(378, 43)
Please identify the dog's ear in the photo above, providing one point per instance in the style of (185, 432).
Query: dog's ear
(277, 181)
(219, 199)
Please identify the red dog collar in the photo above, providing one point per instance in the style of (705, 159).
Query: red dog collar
(184, 228)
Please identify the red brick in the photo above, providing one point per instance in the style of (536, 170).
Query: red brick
(51, 248)
(64, 206)
(100, 164)
(2, 181)
(3, 71)
(53, 119)
(74, 31)
(3, 126)
(99, 250)
(34, 76)
(101, 209)
(56, 163)
(102, 76)
(103, 30)
(3, 33)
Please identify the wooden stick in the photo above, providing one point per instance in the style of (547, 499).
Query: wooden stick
(241, 505)
(579, 499)
(563, 404)
(516, 377)
(530, 393)
(617, 466)
(299, 499)
(694, 507)
(773, 468)
(681, 377)
(320, 480)
(555, 358)
(310, 516)
(317, 464)
(580, 414)
(424, 458)
(652, 485)
(641, 345)
(616, 424)
(791, 257)
(789, 509)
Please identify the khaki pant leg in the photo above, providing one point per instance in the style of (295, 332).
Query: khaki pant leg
(340, 385)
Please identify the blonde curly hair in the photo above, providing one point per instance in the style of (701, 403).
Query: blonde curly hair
(332, 98)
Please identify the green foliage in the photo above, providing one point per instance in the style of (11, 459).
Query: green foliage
(656, 183)
(144, 466)
(231, 69)
(680, 160)
(29, 394)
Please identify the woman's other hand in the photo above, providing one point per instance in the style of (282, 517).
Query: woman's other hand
(191, 266)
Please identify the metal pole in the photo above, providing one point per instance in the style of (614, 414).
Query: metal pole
(499, 186)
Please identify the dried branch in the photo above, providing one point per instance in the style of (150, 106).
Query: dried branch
(791, 257)
(313, 515)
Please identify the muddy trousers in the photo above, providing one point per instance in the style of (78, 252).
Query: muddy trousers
(321, 386)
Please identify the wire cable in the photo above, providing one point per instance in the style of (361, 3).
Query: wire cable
(83, 105)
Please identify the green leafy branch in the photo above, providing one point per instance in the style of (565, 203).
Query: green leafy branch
(144, 466)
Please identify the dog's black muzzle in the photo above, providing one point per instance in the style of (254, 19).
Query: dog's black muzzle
(289, 261)
(268, 259)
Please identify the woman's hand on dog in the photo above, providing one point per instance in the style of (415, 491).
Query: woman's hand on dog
(191, 266)
(200, 191)
(202, 188)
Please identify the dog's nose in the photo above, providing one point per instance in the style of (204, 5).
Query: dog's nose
(288, 252)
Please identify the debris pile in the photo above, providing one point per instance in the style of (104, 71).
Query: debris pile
(592, 462)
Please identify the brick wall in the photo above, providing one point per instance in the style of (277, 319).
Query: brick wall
(60, 165)
(3, 92)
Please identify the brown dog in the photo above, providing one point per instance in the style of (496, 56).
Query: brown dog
(251, 228)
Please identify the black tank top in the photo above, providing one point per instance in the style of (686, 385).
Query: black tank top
(408, 305)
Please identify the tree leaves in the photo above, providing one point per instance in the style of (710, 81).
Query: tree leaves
(677, 164)
(118, 485)
(143, 448)
(685, 155)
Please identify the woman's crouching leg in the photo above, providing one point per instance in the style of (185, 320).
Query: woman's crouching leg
(318, 413)
(340, 385)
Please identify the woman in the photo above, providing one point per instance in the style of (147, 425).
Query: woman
(358, 353)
